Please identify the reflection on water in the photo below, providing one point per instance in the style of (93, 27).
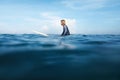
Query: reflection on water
(75, 57)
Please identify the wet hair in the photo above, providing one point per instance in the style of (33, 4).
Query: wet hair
(62, 20)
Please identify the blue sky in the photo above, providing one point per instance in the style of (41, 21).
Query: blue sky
(82, 16)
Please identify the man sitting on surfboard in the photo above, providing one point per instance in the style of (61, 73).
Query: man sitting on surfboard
(65, 28)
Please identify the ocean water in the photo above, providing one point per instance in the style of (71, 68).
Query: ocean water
(74, 57)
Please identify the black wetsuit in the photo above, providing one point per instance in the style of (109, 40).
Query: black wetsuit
(65, 31)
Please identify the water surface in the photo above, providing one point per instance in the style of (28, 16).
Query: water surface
(74, 57)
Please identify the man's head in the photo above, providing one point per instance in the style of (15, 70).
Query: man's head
(63, 22)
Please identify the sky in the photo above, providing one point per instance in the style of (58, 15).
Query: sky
(82, 16)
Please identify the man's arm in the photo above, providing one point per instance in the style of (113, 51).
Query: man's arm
(63, 32)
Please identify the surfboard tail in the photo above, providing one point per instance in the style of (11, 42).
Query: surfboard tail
(40, 33)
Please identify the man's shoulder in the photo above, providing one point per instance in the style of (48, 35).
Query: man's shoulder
(65, 26)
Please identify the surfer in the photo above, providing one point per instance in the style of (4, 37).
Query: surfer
(65, 28)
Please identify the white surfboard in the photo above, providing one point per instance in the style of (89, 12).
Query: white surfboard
(42, 34)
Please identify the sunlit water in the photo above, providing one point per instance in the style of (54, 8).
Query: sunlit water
(74, 57)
